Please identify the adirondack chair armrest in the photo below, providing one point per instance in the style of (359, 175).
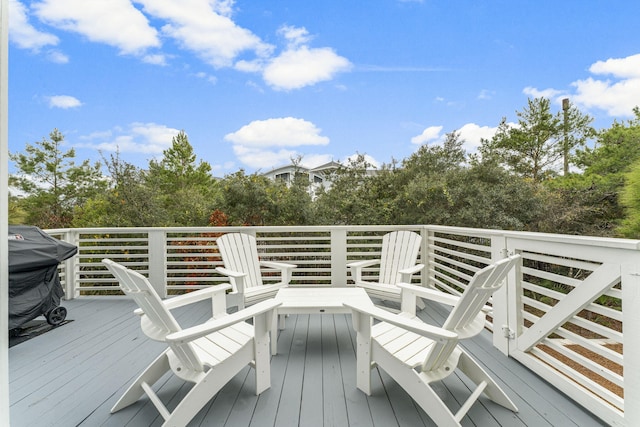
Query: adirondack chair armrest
(357, 266)
(429, 293)
(230, 273)
(278, 265)
(199, 295)
(191, 297)
(363, 263)
(406, 273)
(199, 331)
(236, 278)
(285, 269)
(432, 332)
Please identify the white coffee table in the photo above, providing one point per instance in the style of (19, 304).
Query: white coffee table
(314, 301)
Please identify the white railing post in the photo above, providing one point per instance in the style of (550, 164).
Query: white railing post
(630, 281)
(157, 260)
(500, 300)
(339, 257)
(425, 257)
(71, 267)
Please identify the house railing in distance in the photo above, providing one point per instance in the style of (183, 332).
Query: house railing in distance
(563, 314)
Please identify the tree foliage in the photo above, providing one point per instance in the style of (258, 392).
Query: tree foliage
(347, 201)
(513, 182)
(186, 188)
(593, 196)
(536, 146)
(55, 185)
(128, 202)
(630, 199)
(245, 198)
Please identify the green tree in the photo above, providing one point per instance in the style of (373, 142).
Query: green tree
(291, 202)
(536, 146)
(347, 201)
(580, 205)
(630, 199)
(421, 184)
(592, 199)
(17, 215)
(615, 150)
(485, 195)
(245, 199)
(187, 187)
(128, 202)
(52, 183)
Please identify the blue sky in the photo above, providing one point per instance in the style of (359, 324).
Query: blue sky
(256, 83)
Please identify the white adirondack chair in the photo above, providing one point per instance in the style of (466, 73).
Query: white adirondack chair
(397, 265)
(239, 253)
(416, 354)
(208, 355)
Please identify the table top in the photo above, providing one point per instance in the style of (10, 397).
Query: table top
(327, 298)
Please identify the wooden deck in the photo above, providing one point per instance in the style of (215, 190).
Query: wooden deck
(72, 375)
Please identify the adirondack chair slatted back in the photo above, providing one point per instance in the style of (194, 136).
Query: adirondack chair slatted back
(483, 284)
(158, 322)
(239, 252)
(399, 251)
(467, 318)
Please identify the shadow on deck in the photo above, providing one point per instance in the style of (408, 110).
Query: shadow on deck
(72, 375)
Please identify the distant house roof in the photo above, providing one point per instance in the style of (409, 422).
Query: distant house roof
(327, 166)
(287, 168)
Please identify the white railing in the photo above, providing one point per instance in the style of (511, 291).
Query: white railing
(563, 313)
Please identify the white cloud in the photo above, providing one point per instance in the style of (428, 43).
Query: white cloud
(155, 59)
(486, 94)
(299, 65)
(295, 36)
(628, 67)
(151, 138)
(57, 57)
(295, 69)
(205, 27)
(207, 77)
(23, 34)
(265, 143)
(545, 93)
(367, 158)
(432, 133)
(280, 132)
(314, 160)
(114, 22)
(263, 159)
(64, 101)
(616, 95)
(220, 169)
(253, 66)
(471, 133)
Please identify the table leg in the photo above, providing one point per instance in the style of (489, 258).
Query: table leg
(276, 325)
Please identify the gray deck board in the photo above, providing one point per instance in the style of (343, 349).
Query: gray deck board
(72, 376)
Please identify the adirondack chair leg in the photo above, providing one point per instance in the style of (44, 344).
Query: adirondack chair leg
(362, 325)
(262, 357)
(418, 387)
(475, 373)
(274, 332)
(420, 303)
(153, 373)
(200, 394)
